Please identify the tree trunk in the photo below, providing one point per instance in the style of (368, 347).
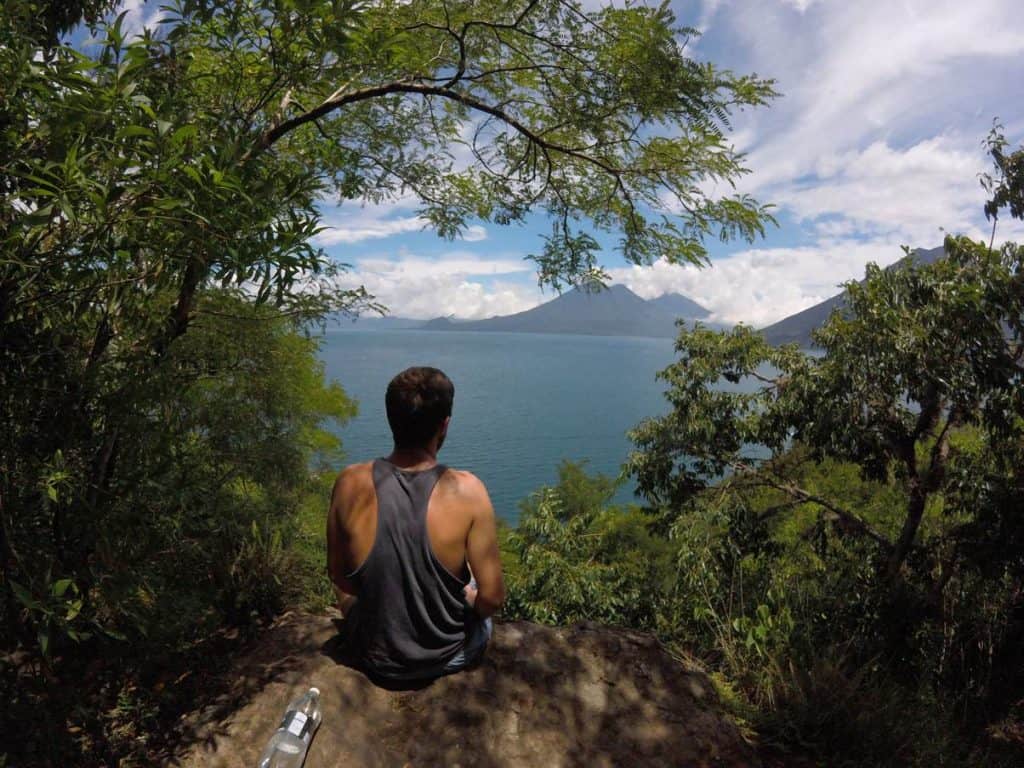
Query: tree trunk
(915, 511)
(180, 316)
(922, 486)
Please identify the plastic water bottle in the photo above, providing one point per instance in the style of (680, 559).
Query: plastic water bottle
(287, 747)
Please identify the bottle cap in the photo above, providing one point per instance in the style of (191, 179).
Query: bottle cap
(315, 690)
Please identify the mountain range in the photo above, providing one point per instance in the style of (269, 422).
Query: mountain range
(617, 311)
(798, 327)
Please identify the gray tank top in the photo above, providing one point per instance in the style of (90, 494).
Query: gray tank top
(411, 617)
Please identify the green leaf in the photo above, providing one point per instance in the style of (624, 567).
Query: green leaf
(24, 596)
(129, 131)
(74, 608)
(182, 134)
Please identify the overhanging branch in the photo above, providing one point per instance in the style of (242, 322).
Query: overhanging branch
(269, 137)
(851, 520)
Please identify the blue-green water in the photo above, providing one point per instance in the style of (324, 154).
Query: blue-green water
(523, 402)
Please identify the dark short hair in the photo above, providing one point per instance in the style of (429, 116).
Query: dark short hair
(418, 401)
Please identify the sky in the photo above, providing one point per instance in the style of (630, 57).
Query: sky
(876, 142)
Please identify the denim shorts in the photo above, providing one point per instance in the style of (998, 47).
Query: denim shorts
(477, 636)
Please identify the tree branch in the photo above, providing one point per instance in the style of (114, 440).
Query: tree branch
(940, 453)
(920, 488)
(269, 137)
(853, 522)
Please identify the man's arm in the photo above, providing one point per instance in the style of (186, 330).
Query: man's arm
(335, 532)
(483, 555)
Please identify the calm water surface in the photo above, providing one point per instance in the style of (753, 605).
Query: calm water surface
(523, 402)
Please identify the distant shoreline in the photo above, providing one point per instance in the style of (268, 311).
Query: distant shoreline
(437, 332)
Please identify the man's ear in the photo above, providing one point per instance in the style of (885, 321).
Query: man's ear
(444, 425)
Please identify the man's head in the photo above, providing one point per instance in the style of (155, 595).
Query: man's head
(419, 404)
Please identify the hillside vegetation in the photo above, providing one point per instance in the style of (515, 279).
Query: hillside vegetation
(855, 582)
(163, 178)
(855, 573)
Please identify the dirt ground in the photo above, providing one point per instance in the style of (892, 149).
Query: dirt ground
(552, 697)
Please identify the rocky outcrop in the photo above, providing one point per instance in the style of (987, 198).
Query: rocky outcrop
(578, 696)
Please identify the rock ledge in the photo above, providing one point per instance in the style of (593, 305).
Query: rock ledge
(585, 695)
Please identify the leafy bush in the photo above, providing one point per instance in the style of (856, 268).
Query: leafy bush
(842, 540)
(578, 558)
(199, 529)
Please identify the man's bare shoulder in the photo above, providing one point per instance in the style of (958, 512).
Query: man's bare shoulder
(353, 480)
(464, 485)
(355, 472)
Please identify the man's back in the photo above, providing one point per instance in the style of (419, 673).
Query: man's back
(400, 539)
(450, 514)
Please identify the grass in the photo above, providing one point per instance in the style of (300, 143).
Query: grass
(312, 589)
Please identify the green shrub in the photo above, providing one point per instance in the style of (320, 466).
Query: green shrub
(575, 557)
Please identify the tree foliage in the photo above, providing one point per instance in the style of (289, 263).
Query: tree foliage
(204, 478)
(196, 529)
(492, 110)
(838, 533)
(921, 351)
(1007, 185)
(154, 183)
(850, 520)
(575, 556)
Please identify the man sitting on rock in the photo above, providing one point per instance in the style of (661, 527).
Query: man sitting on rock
(412, 545)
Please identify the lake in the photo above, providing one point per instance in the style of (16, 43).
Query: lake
(523, 402)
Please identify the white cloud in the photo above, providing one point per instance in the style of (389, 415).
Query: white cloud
(875, 142)
(856, 73)
(370, 229)
(474, 234)
(1007, 230)
(800, 5)
(373, 221)
(763, 285)
(707, 12)
(137, 19)
(418, 287)
(909, 194)
(456, 263)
